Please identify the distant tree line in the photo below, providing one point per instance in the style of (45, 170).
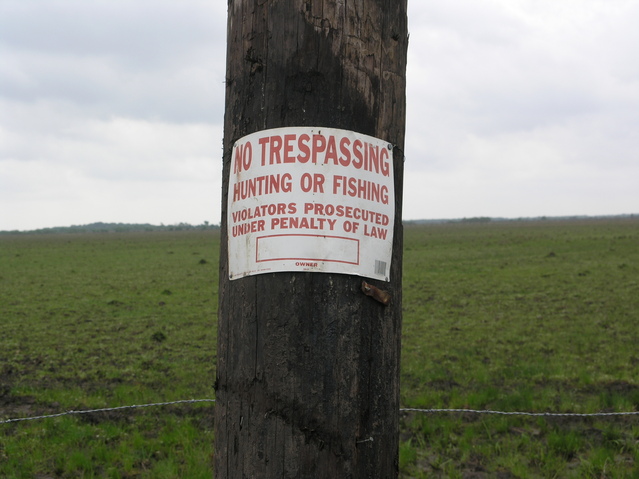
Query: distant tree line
(487, 219)
(100, 227)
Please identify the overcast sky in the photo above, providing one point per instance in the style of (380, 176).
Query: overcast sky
(111, 110)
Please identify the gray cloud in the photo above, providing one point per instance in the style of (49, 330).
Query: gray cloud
(140, 34)
(144, 59)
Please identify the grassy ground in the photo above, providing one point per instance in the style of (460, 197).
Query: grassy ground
(91, 321)
(512, 316)
(521, 317)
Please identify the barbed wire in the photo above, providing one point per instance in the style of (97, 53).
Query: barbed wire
(520, 413)
(105, 409)
(405, 409)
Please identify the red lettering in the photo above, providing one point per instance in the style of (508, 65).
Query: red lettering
(331, 151)
(344, 150)
(313, 182)
(304, 148)
(357, 151)
(384, 157)
(264, 141)
(243, 156)
(373, 158)
(288, 148)
(319, 145)
(276, 145)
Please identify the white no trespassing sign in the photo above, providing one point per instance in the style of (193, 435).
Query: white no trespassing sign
(311, 199)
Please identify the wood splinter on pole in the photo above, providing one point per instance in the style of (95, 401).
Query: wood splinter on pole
(309, 321)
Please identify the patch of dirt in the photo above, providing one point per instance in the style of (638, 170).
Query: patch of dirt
(443, 384)
(12, 407)
(616, 386)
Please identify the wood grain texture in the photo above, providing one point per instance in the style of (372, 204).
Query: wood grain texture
(308, 365)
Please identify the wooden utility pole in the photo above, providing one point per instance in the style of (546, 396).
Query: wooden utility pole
(307, 364)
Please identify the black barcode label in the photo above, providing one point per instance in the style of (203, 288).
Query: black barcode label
(380, 267)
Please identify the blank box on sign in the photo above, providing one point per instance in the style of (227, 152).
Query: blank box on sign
(308, 248)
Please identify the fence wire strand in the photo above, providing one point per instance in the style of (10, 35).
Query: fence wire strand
(105, 409)
(519, 413)
(406, 409)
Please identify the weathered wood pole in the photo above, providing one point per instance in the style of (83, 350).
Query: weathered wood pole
(308, 366)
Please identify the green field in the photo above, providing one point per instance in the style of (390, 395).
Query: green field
(508, 316)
